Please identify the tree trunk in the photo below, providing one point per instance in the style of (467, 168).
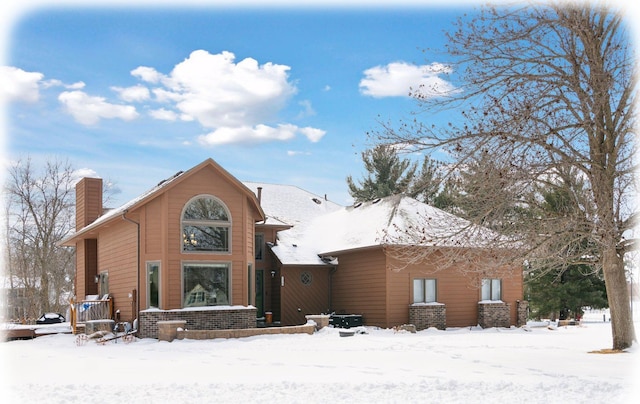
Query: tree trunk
(618, 295)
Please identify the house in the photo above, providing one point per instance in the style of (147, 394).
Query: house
(204, 247)
(452, 283)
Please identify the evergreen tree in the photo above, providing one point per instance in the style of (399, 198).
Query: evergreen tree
(387, 175)
(565, 293)
(566, 289)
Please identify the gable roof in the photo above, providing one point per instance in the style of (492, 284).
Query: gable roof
(395, 219)
(161, 187)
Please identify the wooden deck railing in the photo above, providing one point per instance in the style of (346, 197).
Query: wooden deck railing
(86, 310)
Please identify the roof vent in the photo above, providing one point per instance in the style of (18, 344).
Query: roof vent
(377, 200)
(357, 205)
(316, 200)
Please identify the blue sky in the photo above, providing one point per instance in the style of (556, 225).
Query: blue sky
(273, 94)
(279, 94)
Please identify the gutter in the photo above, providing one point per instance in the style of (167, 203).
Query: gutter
(137, 295)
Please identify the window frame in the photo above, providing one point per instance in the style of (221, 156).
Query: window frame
(226, 225)
(489, 287)
(425, 290)
(214, 264)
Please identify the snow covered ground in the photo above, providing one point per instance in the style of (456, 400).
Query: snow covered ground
(534, 365)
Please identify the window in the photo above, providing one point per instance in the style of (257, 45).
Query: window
(306, 278)
(259, 241)
(153, 284)
(424, 291)
(491, 289)
(103, 283)
(206, 224)
(205, 284)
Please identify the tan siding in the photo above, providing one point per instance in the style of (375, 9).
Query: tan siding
(207, 181)
(459, 290)
(359, 286)
(400, 286)
(117, 255)
(154, 237)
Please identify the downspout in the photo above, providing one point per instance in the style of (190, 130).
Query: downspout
(137, 296)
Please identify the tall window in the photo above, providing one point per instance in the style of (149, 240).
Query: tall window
(206, 224)
(259, 245)
(205, 284)
(153, 284)
(424, 291)
(491, 289)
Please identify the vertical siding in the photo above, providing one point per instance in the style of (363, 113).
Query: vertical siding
(359, 286)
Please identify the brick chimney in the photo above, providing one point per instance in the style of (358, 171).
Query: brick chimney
(88, 201)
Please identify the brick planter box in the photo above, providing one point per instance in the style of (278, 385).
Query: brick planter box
(428, 315)
(213, 318)
(494, 314)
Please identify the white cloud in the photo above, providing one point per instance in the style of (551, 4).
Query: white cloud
(19, 85)
(88, 110)
(297, 153)
(258, 134)
(148, 74)
(218, 92)
(313, 134)
(307, 109)
(246, 134)
(84, 173)
(234, 100)
(398, 78)
(163, 114)
(58, 83)
(133, 94)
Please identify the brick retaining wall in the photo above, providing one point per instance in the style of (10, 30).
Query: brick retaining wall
(228, 318)
(424, 316)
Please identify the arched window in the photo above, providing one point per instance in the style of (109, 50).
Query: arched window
(206, 224)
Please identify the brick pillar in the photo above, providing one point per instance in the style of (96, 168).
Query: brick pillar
(522, 310)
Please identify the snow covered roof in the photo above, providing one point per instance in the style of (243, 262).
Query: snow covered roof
(288, 205)
(392, 220)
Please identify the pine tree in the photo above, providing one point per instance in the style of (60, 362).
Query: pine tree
(388, 174)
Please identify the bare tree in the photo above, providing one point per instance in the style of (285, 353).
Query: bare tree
(39, 209)
(546, 89)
